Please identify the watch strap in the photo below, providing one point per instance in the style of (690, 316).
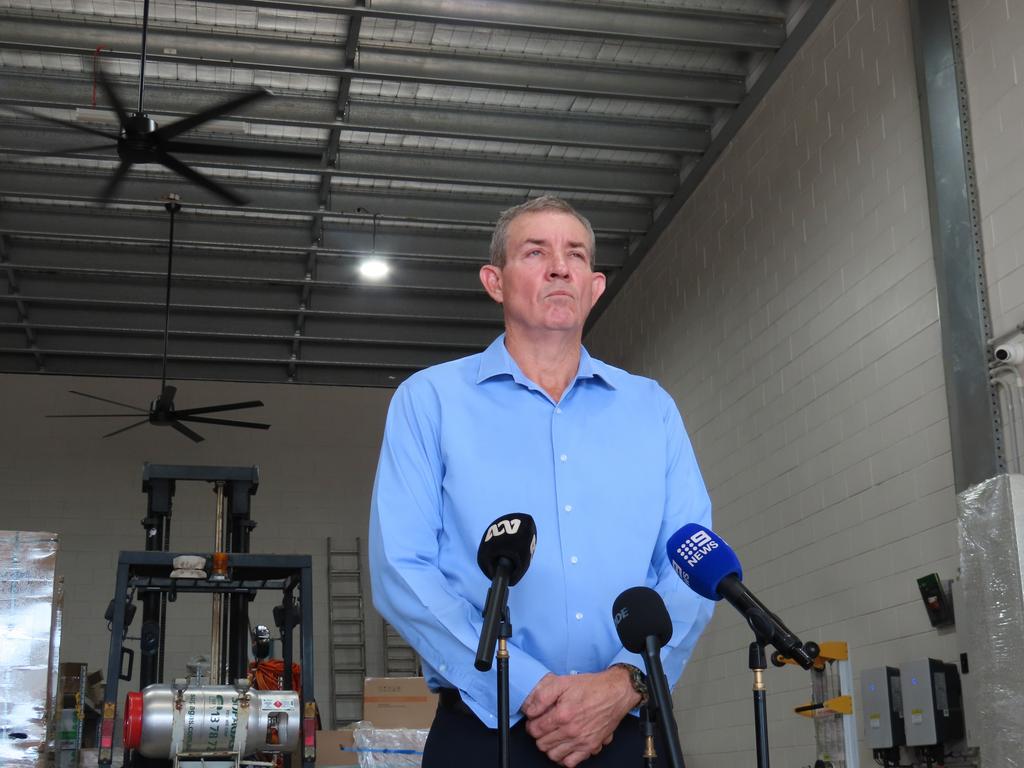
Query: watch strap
(637, 679)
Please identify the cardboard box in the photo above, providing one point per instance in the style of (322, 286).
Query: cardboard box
(398, 702)
(335, 748)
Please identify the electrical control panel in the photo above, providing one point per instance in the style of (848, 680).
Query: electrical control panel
(882, 707)
(938, 602)
(932, 703)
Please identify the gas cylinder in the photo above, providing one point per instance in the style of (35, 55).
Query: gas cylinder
(164, 720)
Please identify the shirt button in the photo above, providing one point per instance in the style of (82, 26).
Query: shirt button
(563, 457)
(558, 410)
(568, 507)
(573, 672)
(574, 559)
(579, 616)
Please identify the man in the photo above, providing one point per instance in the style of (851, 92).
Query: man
(597, 456)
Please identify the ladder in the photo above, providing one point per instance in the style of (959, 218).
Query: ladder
(347, 635)
(400, 660)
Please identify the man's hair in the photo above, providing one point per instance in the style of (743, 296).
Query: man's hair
(535, 205)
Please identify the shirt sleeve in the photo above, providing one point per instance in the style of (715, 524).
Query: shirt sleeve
(686, 501)
(409, 587)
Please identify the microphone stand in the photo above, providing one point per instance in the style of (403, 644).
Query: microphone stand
(661, 698)
(498, 627)
(647, 728)
(504, 632)
(764, 632)
(757, 666)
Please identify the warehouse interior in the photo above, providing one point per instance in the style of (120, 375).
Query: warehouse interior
(760, 175)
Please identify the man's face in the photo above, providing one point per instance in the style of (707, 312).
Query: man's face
(547, 282)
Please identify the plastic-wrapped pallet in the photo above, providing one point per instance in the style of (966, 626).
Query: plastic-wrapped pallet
(27, 580)
(991, 516)
(389, 747)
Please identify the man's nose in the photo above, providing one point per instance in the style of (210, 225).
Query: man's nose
(559, 264)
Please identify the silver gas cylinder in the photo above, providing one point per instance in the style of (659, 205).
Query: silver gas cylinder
(164, 720)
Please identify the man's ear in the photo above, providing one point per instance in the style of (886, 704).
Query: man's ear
(490, 277)
(597, 285)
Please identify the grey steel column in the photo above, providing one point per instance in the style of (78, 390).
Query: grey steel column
(974, 420)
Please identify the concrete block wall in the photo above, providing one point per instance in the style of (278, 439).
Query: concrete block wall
(317, 464)
(790, 309)
(993, 50)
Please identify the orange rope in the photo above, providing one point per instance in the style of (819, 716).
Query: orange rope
(268, 675)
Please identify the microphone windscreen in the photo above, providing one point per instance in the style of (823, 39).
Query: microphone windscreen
(513, 537)
(702, 559)
(639, 612)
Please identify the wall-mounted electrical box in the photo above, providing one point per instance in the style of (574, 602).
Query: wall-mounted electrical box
(882, 707)
(932, 704)
(938, 602)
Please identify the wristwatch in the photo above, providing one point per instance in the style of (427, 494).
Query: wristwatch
(636, 679)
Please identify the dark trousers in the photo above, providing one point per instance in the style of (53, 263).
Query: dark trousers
(459, 740)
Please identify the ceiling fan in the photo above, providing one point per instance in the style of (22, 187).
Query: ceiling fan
(162, 412)
(140, 140)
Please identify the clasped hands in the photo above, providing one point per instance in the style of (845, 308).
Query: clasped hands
(572, 717)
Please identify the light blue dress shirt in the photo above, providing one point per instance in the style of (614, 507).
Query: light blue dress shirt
(607, 473)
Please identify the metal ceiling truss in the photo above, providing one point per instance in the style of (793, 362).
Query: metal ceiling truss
(419, 122)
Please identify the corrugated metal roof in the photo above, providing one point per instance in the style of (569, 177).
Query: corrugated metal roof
(399, 128)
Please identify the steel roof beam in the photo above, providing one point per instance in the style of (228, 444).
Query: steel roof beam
(455, 168)
(401, 117)
(414, 319)
(552, 77)
(208, 279)
(178, 333)
(79, 241)
(690, 27)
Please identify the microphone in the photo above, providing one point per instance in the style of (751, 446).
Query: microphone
(504, 555)
(644, 626)
(710, 568)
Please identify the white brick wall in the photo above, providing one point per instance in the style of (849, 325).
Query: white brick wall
(316, 472)
(791, 310)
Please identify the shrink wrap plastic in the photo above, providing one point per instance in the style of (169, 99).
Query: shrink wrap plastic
(389, 747)
(27, 580)
(993, 614)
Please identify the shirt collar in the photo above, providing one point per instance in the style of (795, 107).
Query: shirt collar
(496, 361)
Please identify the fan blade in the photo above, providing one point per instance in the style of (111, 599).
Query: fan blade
(223, 422)
(79, 150)
(125, 429)
(195, 437)
(188, 123)
(229, 151)
(91, 415)
(215, 408)
(111, 94)
(65, 123)
(105, 400)
(114, 181)
(198, 178)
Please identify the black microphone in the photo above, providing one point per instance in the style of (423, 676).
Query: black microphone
(644, 627)
(710, 568)
(504, 555)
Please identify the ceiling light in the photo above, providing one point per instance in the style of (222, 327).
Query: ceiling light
(373, 269)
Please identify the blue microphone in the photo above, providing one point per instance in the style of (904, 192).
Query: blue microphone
(710, 568)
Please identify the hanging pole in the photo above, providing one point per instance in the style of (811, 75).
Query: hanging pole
(142, 61)
(173, 206)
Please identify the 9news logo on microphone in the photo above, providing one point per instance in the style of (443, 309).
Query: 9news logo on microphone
(692, 550)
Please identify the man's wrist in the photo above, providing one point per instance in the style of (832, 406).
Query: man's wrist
(637, 679)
